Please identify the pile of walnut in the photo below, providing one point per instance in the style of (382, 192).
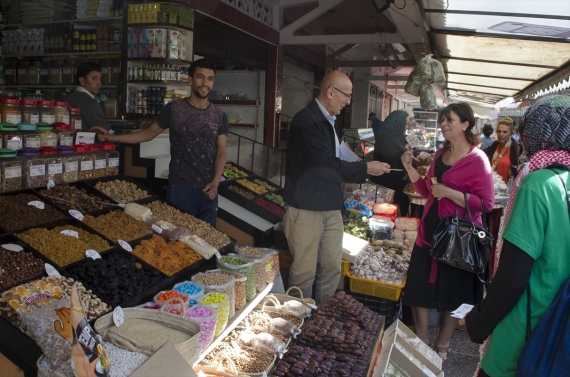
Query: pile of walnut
(385, 261)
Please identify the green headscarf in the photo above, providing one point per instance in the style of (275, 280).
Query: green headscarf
(395, 122)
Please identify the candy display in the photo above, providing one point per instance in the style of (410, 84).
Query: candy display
(242, 266)
(219, 302)
(206, 318)
(222, 283)
(192, 290)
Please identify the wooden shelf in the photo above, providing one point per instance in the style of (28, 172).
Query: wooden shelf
(242, 102)
(160, 25)
(134, 82)
(161, 60)
(89, 21)
(106, 53)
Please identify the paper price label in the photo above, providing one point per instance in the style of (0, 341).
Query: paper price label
(122, 205)
(13, 172)
(86, 165)
(113, 161)
(51, 271)
(70, 233)
(66, 140)
(92, 254)
(12, 247)
(218, 255)
(118, 316)
(33, 142)
(14, 144)
(55, 168)
(100, 164)
(199, 241)
(165, 225)
(37, 204)
(78, 215)
(71, 166)
(48, 118)
(125, 245)
(156, 228)
(37, 170)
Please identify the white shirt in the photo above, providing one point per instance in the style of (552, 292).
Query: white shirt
(331, 119)
(82, 89)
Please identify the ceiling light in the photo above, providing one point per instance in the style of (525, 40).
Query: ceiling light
(382, 5)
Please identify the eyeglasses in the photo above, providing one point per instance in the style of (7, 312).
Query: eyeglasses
(349, 96)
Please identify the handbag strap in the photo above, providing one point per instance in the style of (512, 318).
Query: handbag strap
(567, 195)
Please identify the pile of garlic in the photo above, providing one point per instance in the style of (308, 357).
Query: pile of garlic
(385, 261)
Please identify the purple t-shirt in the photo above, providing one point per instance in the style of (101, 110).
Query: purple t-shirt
(193, 141)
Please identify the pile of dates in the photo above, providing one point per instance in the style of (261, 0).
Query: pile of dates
(345, 308)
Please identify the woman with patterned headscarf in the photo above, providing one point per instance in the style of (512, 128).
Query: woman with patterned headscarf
(533, 243)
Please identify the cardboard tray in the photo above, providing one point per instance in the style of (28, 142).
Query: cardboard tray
(39, 198)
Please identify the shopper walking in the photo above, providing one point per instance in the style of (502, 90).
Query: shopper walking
(460, 168)
(313, 176)
(198, 139)
(375, 123)
(486, 139)
(532, 249)
(389, 146)
(504, 153)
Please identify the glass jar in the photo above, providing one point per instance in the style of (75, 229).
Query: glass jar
(100, 159)
(64, 135)
(54, 164)
(86, 161)
(29, 111)
(34, 168)
(111, 106)
(10, 172)
(68, 72)
(60, 111)
(45, 110)
(112, 158)
(70, 168)
(55, 77)
(34, 73)
(44, 74)
(22, 73)
(11, 138)
(11, 73)
(48, 138)
(10, 111)
(75, 123)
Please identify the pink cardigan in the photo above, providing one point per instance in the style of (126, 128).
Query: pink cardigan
(472, 175)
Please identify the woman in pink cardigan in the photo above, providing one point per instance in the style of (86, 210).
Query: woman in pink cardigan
(460, 168)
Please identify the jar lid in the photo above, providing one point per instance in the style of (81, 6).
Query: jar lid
(108, 146)
(28, 102)
(9, 100)
(8, 127)
(62, 148)
(28, 152)
(44, 127)
(7, 153)
(95, 147)
(74, 109)
(49, 103)
(81, 148)
(58, 103)
(49, 151)
(26, 127)
(60, 126)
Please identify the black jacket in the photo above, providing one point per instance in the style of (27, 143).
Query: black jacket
(313, 175)
(91, 112)
(514, 154)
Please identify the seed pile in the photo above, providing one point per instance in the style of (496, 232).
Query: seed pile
(122, 191)
(71, 197)
(116, 225)
(18, 267)
(17, 214)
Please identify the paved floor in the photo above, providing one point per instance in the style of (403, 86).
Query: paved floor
(463, 357)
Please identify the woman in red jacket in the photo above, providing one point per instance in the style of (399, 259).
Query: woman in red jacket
(460, 168)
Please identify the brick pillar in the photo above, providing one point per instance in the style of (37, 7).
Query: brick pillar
(273, 96)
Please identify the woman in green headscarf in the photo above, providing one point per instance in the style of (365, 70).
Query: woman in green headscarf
(389, 146)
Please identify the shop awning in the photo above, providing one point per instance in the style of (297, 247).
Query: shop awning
(496, 49)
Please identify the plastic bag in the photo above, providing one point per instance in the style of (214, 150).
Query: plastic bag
(438, 75)
(198, 245)
(413, 84)
(423, 70)
(263, 340)
(164, 228)
(298, 308)
(284, 327)
(427, 97)
(137, 211)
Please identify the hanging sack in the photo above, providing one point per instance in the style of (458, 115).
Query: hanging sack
(462, 244)
(547, 350)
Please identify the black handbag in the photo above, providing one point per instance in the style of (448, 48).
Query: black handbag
(462, 244)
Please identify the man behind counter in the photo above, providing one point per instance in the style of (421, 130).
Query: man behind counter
(198, 139)
(88, 77)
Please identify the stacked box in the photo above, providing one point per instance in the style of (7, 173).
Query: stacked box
(150, 43)
(173, 44)
(186, 17)
(182, 47)
(142, 43)
(160, 42)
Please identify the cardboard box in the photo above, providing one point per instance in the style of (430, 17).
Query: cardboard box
(353, 247)
(160, 42)
(165, 361)
(150, 44)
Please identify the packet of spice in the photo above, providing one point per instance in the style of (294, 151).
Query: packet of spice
(88, 356)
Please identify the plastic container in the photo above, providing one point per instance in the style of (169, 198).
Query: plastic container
(227, 288)
(272, 262)
(54, 165)
(112, 158)
(48, 138)
(63, 134)
(61, 113)
(29, 111)
(380, 229)
(260, 262)
(11, 138)
(45, 110)
(221, 307)
(175, 307)
(186, 286)
(100, 164)
(206, 317)
(376, 288)
(86, 161)
(10, 171)
(70, 167)
(34, 168)
(75, 123)
(244, 267)
(239, 285)
(31, 137)
(68, 72)
(10, 111)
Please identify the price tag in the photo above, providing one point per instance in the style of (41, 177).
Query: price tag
(156, 228)
(37, 170)
(14, 144)
(50, 184)
(125, 245)
(51, 271)
(118, 316)
(70, 233)
(92, 254)
(100, 164)
(78, 215)
(165, 225)
(114, 161)
(12, 247)
(86, 165)
(122, 205)
(218, 255)
(55, 168)
(13, 172)
(72, 166)
(199, 241)
(37, 204)
(312, 306)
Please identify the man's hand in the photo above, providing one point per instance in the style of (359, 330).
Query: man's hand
(103, 133)
(377, 168)
(211, 190)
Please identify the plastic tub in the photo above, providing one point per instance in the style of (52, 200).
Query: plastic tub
(222, 307)
(272, 263)
(380, 229)
(239, 280)
(175, 307)
(242, 266)
(226, 286)
(260, 262)
(185, 287)
(207, 318)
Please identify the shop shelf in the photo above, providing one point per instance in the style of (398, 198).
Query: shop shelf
(161, 61)
(180, 28)
(115, 21)
(242, 102)
(376, 288)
